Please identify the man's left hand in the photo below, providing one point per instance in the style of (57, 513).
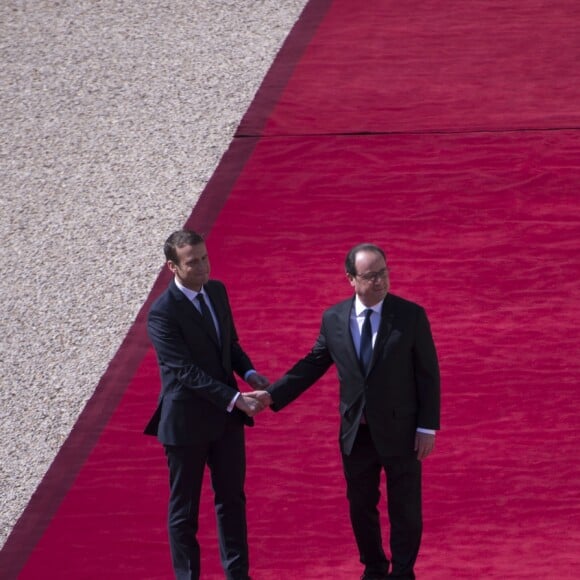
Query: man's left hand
(424, 444)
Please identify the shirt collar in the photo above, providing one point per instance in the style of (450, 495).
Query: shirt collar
(359, 307)
(191, 294)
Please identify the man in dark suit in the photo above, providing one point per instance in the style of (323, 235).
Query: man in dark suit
(201, 414)
(389, 405)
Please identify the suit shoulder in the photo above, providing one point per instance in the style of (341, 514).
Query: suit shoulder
(216, 290)
(404, 304)
(161, 300)
(165, 301)
(338, 308)
(215, 285)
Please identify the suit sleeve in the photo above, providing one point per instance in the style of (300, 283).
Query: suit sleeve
(427, 377)
(175, 362)
(302, 375)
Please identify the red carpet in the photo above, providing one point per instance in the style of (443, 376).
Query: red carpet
(481, 224)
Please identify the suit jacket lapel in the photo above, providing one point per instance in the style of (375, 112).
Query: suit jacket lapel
(385, 328)
(345, 335)
(191, 311)
(218, 311)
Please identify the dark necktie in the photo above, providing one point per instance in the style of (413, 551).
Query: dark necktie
(366, 341)
(207, 317)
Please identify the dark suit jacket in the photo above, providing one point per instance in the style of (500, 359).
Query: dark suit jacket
(197, 375)
(400, 391)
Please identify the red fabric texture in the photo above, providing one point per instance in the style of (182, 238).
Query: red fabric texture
(481, 228)
(433, 65)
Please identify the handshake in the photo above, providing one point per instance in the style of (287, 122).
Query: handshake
(253, 402)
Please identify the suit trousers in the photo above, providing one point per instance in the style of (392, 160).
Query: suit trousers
(226, 460)
(362, 470)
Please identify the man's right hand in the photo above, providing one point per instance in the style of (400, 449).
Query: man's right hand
(263, 396)
(251, 406)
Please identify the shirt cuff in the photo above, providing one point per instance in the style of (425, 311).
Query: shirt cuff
(233, 402)
(427, 431)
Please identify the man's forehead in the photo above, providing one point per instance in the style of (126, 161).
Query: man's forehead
(368, 256)
(197, 249)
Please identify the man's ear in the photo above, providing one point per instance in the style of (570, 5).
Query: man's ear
(172, 266)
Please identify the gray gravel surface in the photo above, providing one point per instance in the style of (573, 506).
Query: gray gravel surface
(114, 115)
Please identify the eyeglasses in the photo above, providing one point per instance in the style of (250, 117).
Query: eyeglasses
(373, 276)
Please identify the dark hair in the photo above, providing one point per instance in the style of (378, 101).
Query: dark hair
(179, 239)
(351, 256)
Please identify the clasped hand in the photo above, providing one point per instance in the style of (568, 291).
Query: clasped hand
(252, 403)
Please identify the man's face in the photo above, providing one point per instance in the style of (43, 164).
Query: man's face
(192, 267)
(371, 282)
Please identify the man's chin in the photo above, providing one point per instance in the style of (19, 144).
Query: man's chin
(378, 296)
